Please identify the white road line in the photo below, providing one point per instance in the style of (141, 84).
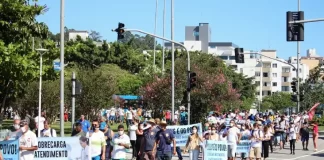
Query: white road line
(296, 158)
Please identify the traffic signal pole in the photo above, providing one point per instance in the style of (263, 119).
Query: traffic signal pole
(297, 72)
(188, 61)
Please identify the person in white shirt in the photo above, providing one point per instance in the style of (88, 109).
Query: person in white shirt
(121, 115)
(121, 142)
(84, 142)
(256, 138)
(292, 137)
(132, 136)
(48, 131)
(27, 142)
(233, 135)
(112, 115)
(40, 126)
(129, 116)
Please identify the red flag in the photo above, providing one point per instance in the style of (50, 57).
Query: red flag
(311, 112)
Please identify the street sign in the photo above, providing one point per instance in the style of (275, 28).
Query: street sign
(57, 65)
(295, 31)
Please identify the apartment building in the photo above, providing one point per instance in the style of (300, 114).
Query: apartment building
(83, 34)
(271, 74)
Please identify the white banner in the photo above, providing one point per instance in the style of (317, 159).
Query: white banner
(181, 133)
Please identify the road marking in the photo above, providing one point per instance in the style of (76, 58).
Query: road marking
(296, 158)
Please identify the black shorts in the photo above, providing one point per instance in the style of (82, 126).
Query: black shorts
(304, 138)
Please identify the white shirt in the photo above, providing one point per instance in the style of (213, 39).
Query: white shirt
(176, 113)
(28, 139)
(212, 119)
(85, 153)
(112, 111)
(255, 142)
(132, 132)
(41, 125)
(47, 133)
(129, 114)
(121, 112)
(292, 133)
(232, 137)
(119, 152)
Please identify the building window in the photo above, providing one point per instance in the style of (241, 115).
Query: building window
(285, 70)
(274, 84)
(257, 83)
(269, 93)
(257, 74)
(265, 84)
(274, 74)
(196, 33)
(241, 70)
(232, 57)
(265, 74)
(212, 46)
(285, 79)
(274, 65)
(285, 88)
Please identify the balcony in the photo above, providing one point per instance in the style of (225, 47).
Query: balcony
(266, 79)
(266, 69)
(266, 88)
(286, 74)
(285, 83)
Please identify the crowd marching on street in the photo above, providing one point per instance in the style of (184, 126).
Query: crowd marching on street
(151, 137)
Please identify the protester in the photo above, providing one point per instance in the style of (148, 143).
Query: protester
(47, 131)
(139, 141)
(266, 142)
(132, 136)
(98, 142)
(304, 134)
(85, 124)
(109, 134)
(315, 134)
(27, 142)
(256, 138)
(147, 146)
(121, 142)
(15, 130)
(164, 139)
(292, 137)
(233, 135)
(77, 131)
(193, 144)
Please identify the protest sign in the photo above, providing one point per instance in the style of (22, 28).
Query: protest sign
(10, 149)
(63, 148)
(243, 146)
(215, 150)
(181, 133)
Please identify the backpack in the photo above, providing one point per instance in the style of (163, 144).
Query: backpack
(183, 116)
(258, 133)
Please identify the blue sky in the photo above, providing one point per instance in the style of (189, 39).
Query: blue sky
(251, 24)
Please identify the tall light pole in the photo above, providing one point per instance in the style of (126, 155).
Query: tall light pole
(172, 59)
(261, 83)
(155, 25)
(62, 70)
(163, 47)
(297, 72)
(40, 51)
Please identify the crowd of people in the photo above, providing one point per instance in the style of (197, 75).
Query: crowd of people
(149, 138)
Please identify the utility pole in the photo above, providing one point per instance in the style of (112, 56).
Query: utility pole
(62, 70)
(155, 25)
(163, 49)
(172, 59)
(73, 98)
(297, 72)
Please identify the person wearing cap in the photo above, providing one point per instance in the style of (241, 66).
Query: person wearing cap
(78, 132)
(164, 138)
(28, 142)
(256, 138)
(47, 131)
(148, 143)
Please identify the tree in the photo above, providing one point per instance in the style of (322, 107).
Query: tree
(95, 36)
(214, 92)
(277, 101)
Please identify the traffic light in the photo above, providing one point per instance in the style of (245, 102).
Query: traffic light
(295, 31)
(301, 97)
(239, 56)
(192, 80)
(120, 31)
(294, 86)
(294, 98)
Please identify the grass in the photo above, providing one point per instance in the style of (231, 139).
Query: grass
(6, 124)
(321, 128)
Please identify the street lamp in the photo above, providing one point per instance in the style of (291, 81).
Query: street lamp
(40, 51)
(261, 83)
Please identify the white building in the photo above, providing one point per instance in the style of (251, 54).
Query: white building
(83, 34)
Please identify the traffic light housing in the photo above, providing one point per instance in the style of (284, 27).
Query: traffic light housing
(120, 31)
(301, 97)
(295, 31)
(192, 80)
(294, 86)
(294, 98)
(239, 55)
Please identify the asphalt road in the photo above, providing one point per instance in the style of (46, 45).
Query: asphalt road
(284, 154)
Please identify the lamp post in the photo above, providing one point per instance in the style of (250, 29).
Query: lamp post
(155, 25)
(163, 49)
(261, 83)
(40, 51)
(62, 68)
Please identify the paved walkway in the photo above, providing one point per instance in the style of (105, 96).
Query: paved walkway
(284, 154)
